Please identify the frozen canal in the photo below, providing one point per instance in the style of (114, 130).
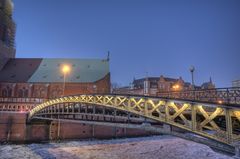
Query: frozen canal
(156, 147)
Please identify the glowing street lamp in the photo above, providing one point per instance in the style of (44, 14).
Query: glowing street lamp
(176, 87)
(65, 69)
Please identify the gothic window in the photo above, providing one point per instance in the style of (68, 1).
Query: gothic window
(25, 93)
(20, 93)
(54, 94)
(4, 92)
(60, 92)
(36, 93)
(9, 92)
(42, 93)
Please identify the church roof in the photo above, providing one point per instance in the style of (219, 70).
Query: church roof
(48, 70)
(141, 80)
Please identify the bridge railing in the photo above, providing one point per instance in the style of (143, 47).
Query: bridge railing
(215, 121)
(218, 95)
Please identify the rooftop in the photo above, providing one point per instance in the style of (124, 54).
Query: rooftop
(48, 70)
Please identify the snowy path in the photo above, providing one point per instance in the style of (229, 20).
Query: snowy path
(156, 147)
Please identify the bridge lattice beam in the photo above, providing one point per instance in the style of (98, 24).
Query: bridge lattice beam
(214, 121)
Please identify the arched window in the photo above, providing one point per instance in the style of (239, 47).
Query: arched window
(20, 93)
(54, 94)
(42, 93)
(36, 93)
(60, 93)
(9, 92)
(4, 92)
(25, 93)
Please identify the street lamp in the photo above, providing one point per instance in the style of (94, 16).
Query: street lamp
(176, 87)
(65, 69)
(192, 69)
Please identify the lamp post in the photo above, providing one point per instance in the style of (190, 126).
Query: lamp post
(192, 69)
(65, 69)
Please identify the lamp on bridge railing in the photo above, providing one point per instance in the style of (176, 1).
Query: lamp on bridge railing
(192, 69)
(65, 70)
(220, 102)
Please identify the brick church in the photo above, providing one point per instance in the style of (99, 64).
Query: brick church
(43, 77)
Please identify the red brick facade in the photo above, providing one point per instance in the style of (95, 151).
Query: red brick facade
(25, 96)
(53, 90)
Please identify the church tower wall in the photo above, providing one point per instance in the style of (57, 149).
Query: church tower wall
(7, 32)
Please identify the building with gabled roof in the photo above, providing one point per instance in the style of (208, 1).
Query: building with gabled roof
(155, 85)
(43, 77)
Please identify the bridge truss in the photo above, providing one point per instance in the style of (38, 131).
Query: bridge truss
(215, 121)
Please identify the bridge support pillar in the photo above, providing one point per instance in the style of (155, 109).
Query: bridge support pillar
(237, 150)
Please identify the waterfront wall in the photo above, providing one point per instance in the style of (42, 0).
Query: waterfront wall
(14, 128)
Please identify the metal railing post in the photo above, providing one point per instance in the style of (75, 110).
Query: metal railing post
(229, 126)
(194, 117)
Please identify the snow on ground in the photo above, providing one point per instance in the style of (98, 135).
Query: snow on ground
(155, 147)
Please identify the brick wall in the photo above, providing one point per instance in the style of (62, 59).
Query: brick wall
(53, 90)
(13, 128)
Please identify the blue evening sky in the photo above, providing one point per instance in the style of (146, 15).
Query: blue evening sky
(161, 37)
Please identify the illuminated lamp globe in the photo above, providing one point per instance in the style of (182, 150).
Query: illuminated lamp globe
(66, 69)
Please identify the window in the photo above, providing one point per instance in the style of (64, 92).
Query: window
(9, 92)
(25, 93)
(42, 93)
(54, 94)
(4, 92)
(20, 93)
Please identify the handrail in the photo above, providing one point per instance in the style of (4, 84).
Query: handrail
(229, 95)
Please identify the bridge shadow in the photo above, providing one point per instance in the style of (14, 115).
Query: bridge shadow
(42, 150)
(51, 151)
(56, 150)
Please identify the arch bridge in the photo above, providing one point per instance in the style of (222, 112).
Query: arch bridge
(220, 122)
